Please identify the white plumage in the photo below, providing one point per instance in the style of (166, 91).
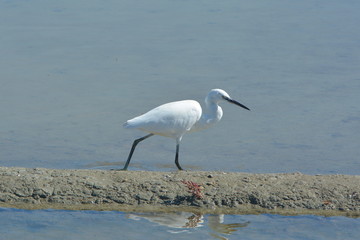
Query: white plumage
(169, 120)
(174, 119)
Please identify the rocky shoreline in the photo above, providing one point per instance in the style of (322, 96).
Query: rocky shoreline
(207, 192)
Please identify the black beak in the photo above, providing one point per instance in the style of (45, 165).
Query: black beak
(235, 102)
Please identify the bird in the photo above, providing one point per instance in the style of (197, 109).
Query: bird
(174, 119)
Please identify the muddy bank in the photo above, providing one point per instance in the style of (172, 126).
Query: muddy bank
(293, 193)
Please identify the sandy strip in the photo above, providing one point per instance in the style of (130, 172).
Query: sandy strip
(206, 192)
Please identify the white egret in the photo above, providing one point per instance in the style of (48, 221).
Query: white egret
(174, 119)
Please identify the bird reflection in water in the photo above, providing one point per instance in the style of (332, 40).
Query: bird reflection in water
(182, 221)
(215, 223)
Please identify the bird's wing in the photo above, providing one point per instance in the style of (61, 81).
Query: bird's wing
(170, 119)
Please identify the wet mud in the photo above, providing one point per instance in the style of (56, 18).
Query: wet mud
(206, 192)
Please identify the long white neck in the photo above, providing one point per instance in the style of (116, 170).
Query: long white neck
(212, 113)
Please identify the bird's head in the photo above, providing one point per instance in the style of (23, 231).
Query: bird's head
(217, 95)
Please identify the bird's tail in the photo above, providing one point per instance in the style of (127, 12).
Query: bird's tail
(134, 122)
(126, 124)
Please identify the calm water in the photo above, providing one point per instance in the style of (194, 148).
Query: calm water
(58, 224)
(73, 72)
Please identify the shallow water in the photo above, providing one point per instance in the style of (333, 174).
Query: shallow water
(71, 75)
(73, 72)
(61, 224)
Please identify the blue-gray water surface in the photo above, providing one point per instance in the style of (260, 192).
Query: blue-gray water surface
(73, 71)
(61, 224)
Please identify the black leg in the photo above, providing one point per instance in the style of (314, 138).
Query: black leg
(133, 149)
(177, 157)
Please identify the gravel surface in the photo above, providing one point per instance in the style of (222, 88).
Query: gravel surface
(208, 192)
